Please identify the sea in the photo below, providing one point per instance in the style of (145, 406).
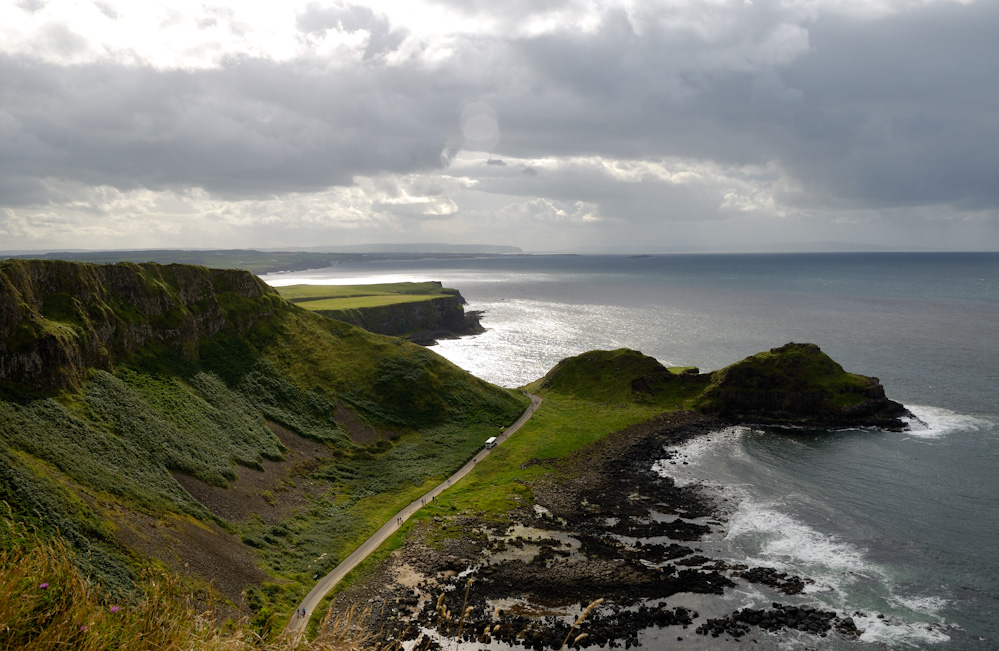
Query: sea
(898, 529)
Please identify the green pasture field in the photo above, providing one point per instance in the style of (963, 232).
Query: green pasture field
(353, 302)
(302, 293)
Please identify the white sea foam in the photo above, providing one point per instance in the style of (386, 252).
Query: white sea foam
(781, 541)
(723, 441)
(894, 634)
(776, 539)
(763, 532)
(937, 422)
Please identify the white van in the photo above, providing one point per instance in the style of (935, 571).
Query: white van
(490, 442)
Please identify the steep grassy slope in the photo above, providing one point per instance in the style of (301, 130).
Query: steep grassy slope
(123, 388)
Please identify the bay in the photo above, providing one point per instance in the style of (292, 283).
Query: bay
(898, 524)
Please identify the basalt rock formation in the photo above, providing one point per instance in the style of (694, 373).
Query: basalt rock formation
(57, 319)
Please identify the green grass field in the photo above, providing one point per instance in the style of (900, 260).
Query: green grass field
(345, 297)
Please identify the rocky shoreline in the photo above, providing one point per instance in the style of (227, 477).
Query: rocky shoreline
(603, 526)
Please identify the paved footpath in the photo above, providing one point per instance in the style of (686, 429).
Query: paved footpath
(297, 623)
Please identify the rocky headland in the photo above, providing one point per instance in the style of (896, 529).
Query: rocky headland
(604, 524)
(422, 322)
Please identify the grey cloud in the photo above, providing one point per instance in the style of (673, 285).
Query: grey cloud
(31, 6)
(250, 129)
(496, 162)
(894, 112)
(898, 111)
(106, 9)
(901, 111)
(620, 201)
(382, 38)
(57, 37)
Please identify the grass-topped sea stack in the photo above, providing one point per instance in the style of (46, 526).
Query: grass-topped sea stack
(799, 385)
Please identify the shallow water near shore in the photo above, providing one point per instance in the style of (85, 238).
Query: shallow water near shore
(898, 524)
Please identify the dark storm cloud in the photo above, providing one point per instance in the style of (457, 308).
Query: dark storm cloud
(251, 128)
(891, 112)
(896, 111)
(901, 111)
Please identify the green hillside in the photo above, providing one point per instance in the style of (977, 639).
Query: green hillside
(623, 375)
(194, 419)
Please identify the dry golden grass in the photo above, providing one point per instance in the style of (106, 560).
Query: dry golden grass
(45, 605)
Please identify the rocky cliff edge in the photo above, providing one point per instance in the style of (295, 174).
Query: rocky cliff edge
(59, 318)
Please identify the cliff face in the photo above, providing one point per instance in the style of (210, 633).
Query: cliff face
(420, 321)
(59, 318)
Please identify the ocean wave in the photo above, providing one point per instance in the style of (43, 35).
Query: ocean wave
(784, 542)
(843, 575)
(893, 634)
(937, 422)
(681, 466)
(766, 532)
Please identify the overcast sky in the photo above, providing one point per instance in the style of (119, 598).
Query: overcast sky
(545, 124)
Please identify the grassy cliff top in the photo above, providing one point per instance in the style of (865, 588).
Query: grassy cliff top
(620, 376)
(345, 297)
(792, 368)
(795, 384)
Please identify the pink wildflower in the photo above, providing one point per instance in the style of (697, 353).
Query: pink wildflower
(43, 586)
(115, 609)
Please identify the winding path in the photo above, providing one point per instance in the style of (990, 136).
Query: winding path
(298, 622)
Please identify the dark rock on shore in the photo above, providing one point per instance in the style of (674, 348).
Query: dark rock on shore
(602, 525)
(804, 618)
